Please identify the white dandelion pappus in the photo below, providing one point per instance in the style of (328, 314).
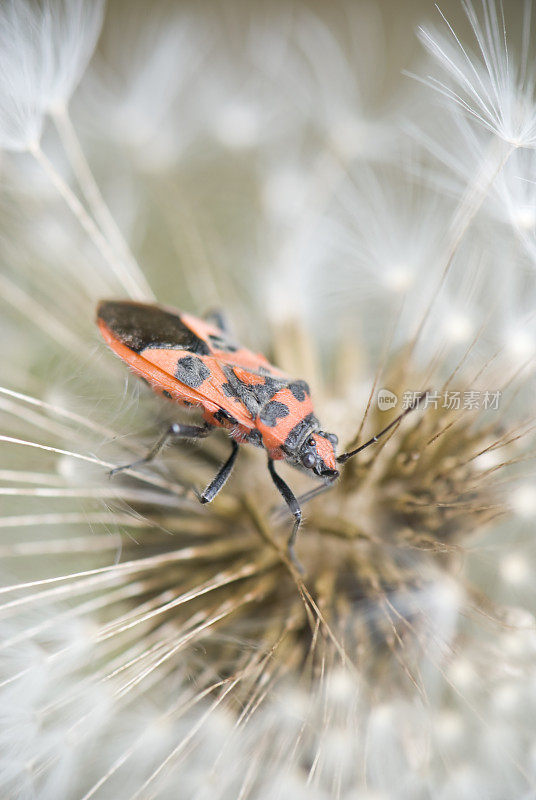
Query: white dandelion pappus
(455, 146)
(149, 105)
(378, 237)
(340, 123)
(44, 50)
(251, 104)
(514, 200)
(341, 89)
(495, 86)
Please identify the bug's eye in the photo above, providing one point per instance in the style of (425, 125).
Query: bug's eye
(333, 438)
(311, 442)
(308, 460)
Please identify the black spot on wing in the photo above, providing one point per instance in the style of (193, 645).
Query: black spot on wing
(229, 390)
(166, 394)
(138, 326)
(241, 392)
(191, 371)
(253, 395)
(265, 391)
(300, 390)
(273, 411)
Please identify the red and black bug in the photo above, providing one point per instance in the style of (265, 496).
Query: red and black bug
(194, 363)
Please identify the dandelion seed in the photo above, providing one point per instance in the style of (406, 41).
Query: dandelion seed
(45, 49)
(494, 86)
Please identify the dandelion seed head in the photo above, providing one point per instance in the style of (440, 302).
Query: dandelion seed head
(173, 641)
(372, 629)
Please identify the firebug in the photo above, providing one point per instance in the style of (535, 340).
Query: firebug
(194, 363)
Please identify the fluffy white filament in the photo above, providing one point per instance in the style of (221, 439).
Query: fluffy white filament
(496, 84)
(45, 47)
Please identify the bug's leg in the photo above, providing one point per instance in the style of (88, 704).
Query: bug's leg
(175, 430)
(295, 509)
(218, 482)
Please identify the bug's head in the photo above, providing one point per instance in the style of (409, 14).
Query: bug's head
(317, 453)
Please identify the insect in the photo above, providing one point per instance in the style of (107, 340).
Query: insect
(194, 363)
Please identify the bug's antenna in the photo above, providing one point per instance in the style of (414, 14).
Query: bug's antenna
(345, 456)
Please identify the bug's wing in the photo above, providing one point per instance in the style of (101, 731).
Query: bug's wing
(198, 379)
(227, 351)
(189, 359)
(174, 363)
